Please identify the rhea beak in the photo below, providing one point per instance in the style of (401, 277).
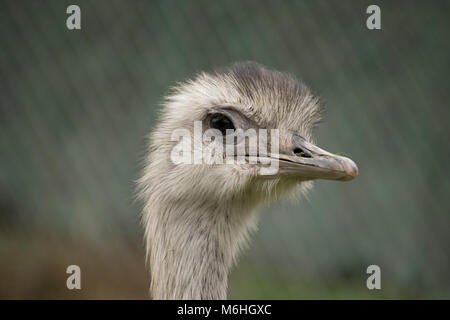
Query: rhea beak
(311, 162)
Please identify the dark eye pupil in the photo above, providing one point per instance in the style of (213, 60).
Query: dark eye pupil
(222, 123)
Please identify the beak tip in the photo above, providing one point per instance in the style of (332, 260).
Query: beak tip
(351, 170)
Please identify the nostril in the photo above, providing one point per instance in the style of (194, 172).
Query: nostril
(300, 153)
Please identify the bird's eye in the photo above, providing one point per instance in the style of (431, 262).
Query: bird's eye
(221, 122)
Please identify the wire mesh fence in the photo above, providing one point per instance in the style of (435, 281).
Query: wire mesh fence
(76, 105)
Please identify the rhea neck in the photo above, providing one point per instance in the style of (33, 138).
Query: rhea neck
(192, 248)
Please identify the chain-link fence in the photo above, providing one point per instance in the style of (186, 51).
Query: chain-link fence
(76, 105)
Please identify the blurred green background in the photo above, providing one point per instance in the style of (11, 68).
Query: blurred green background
(76, 105)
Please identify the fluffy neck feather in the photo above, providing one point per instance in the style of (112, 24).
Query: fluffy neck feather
(193, 234)
(191, 250)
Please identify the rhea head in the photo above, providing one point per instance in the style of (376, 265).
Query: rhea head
(197, 216)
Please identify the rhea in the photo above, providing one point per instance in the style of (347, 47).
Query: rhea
(198, 216)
